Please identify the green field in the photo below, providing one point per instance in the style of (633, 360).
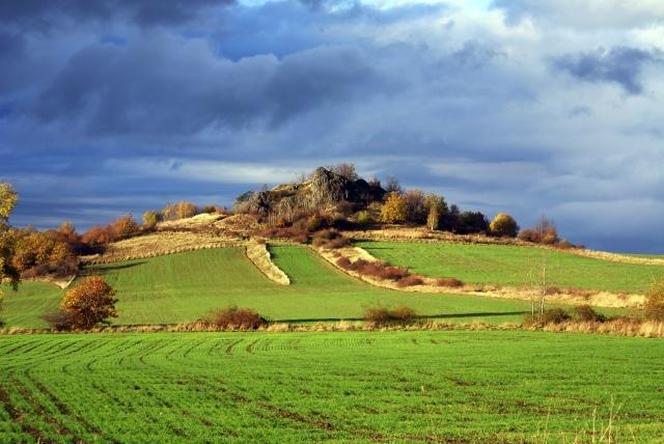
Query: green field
(515, 266)
(349, 386)
(184, 287)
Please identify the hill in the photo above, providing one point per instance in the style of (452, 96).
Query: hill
(183, 287)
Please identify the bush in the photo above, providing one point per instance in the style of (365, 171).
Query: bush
(586, 313)
(90, 303)
(383, 316)
(553, 316)
(449, 282)
(124, 227)
(545, 232)
(150, 220)
(59, 320)
(41, 253)
(364, 218)
(330, 239)
(654, 306)
(471, 222)
(394, 209)
(344, 263)
(179, 210)
(410, 281)
(503, 225)
(234, 318)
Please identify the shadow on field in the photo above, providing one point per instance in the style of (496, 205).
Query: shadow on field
(434, 316)
(96, 269)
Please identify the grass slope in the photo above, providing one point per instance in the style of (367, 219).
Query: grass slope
(347, 387)
(514, 266)
(183, 287)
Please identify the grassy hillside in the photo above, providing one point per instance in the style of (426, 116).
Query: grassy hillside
(307, 387)
(185, 286)
(514, 266)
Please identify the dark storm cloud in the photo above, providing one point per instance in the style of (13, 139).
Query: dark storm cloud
(620, 65)
(115, 106)
(168, 86)
(42, 14)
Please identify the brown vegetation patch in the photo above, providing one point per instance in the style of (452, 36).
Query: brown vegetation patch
(234, 318)
(161, 243)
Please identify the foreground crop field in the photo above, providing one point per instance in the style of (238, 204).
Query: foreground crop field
(361, 386)
(186, 286)
(515, 266)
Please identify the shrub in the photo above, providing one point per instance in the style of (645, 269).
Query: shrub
(344, 263)
(554, 316)
(364, 218)
(394, 209)
(449, 282)
(545, 232)
(150, 220)
(503, 225)
(90, 303)
(124, 227)
(654, 306)
(410, 281)
(383, 316)
(179, 210)
(234, 318)
(586, 313)
(331, 239)
(471, 222)
(59, 320)
(40, 253)
(346, 170)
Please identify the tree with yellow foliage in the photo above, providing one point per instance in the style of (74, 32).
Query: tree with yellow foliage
(394, 210)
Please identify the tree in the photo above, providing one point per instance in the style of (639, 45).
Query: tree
(416, 210)
(8, 199)
(394, 209)
(471, 222)
(346, 170)
(503, 225)
(179, 210)
(436, 210)
(150, 220)
(392, 185)
(90, 303)
(544, 232)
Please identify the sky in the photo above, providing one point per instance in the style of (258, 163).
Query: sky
(526, 106)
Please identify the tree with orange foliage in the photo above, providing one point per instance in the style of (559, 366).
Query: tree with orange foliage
(90, 303)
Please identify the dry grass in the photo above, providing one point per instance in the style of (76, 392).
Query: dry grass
(161, 243)
(259, 255)
(203, 219)
(615, 327)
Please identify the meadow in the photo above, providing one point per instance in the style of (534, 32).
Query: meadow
(454, 386)
(184, 287)
(515, 266)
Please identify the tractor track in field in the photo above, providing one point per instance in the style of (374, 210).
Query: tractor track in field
(18, 416)
(66, 411)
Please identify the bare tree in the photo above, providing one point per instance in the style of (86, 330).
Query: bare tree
(346, 170)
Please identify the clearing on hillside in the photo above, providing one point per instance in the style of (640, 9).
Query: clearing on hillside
(184, 287)
(508, 265)
(451, 386)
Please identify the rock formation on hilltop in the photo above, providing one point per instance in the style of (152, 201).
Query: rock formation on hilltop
(322, 190)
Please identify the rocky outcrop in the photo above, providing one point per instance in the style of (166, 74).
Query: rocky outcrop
(322, 189)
